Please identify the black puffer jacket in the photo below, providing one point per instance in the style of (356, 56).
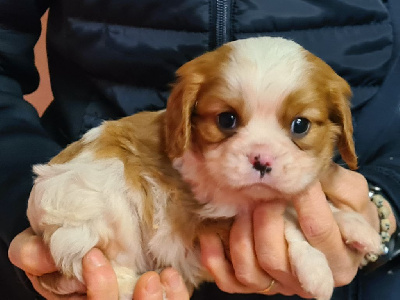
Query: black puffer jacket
(110, 58)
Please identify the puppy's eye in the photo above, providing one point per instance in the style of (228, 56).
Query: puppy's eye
(227, 120)
(300, 127)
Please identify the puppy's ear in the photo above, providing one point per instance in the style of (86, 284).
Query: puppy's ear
(340, 94)
(180, 106)
(192, 77)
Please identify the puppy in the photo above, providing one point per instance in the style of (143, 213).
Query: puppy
(255, 120)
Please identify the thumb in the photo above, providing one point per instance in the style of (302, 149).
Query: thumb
(99, 276)
(316, 219)
(28, 252)
(148, 287)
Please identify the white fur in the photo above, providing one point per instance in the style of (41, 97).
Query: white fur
(92, 134)
(166, 246)
(90, 204)
(264, 70)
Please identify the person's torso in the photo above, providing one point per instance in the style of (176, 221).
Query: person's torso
(111, 58)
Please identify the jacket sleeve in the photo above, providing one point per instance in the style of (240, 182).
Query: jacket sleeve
(23, 141)
(378, 140)
(377, 133)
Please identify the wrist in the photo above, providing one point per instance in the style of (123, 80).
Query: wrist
(388, 229)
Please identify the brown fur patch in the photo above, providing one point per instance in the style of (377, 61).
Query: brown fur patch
(195, 78)
(212, 102)
(324, 100)
(139, 142)
(68, 153)
(338, 97)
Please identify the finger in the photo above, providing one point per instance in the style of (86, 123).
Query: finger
(99, 276)
(212, 255)
(276, 287)
(340, 190)
(213, 258)
(148, 287)
(174, 287)
(269, 236)
(316, 218)
(63, 285)
(338, 183)
(39, 288)
(28, 252)
(246, 267)
(271, 247)
(49, 295)
(321, 230)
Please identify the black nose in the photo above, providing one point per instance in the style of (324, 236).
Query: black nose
(262, 168)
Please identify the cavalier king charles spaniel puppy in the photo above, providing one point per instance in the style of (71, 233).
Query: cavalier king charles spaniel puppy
(256, 119)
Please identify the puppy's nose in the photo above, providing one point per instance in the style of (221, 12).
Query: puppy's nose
(261, 163)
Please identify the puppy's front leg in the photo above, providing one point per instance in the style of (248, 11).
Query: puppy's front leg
(357, 232)
(308, 263)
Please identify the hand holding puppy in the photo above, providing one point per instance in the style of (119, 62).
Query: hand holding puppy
(28, 252)
(259, 249)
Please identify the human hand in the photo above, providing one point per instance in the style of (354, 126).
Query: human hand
(259, 255)
(259, 262)
(28, 252)
(348, 191)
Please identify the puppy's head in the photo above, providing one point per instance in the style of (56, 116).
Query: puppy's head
(259, 114)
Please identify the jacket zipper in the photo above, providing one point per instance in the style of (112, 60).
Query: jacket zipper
(221, 14)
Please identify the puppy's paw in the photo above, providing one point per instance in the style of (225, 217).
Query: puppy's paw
(127, 279)
(358, 233)
(312, 269)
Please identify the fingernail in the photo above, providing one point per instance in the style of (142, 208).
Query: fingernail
(153, 285)
(175, 281)
(96, 258)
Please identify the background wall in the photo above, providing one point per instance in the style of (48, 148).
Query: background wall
(42, 97)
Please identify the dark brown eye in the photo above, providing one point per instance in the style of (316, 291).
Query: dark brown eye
(300, 127)
(227, 121)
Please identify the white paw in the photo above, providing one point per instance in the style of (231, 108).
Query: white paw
(312, 270)
(358, 233)
(127, 279)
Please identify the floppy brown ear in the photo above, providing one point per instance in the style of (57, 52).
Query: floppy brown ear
(179, 110)
(184, 95)
(340, 93)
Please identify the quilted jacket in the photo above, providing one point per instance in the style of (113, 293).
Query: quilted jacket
(111, 58)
